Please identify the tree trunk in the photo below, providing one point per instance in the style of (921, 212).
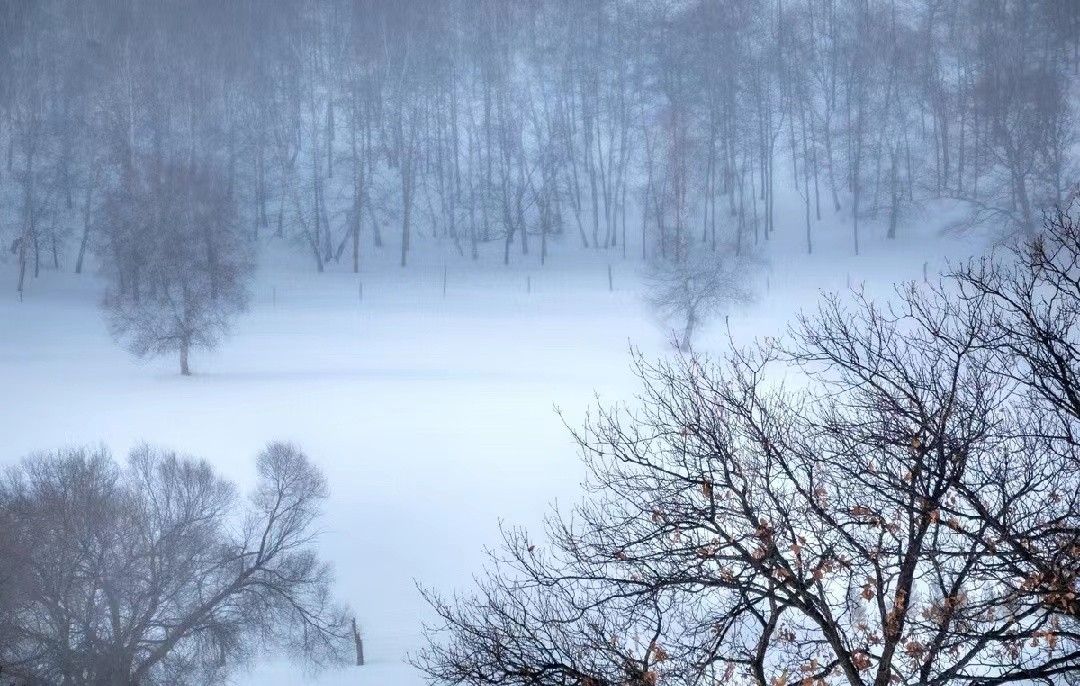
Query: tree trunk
(359, 642)
(22, 266)
(894, 197)
(87, 223)
(185, 347)
(406, 196)
(688, 331)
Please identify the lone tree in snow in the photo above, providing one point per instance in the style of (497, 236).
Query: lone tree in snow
(178, 263)
(689, 286)
(890, 494)
(156, 572)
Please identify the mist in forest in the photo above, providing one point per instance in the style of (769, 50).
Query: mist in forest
(288, 288)
(648, 128)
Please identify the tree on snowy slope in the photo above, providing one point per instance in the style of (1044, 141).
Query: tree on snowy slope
(886, 495)
(178, 263)
(687, 286)
(157, 573)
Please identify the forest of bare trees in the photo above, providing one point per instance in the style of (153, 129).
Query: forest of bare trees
(628, 126)
(886, 493)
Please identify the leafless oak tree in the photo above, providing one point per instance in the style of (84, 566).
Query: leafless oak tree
(888, 494)
(179, 265)
(689, 285)
(157, 573)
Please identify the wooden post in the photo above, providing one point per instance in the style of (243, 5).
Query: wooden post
(610, 281)
(924, 276)
(359, 644)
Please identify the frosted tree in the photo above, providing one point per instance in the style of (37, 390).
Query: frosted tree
(178, 263)
(693, 284)
(156, 572)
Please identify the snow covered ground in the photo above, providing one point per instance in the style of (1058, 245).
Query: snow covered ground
(432, 416)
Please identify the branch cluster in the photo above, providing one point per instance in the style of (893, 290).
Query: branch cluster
(156, 573)
(888, 494)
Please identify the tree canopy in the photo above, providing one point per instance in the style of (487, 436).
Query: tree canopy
(156, 572)
(887, 494)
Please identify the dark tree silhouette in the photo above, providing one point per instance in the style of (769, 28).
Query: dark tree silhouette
(689, 286)
(888, 494)
(156, 573)
(178, 264)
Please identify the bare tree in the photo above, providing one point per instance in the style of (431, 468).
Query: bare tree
(886, 495)
(156, 573)
(180, 263)
(692, 284)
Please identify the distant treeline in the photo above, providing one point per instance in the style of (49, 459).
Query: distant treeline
(348, 125)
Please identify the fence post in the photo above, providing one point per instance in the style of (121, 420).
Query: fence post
(359, 644)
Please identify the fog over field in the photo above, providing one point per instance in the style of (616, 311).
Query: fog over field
(539, 342)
